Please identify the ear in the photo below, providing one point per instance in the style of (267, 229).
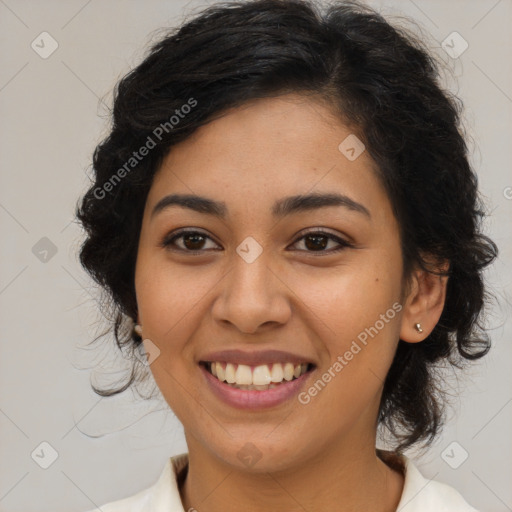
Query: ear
(424, 303)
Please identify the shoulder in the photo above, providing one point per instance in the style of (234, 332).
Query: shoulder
(423, 495)
(162, 496)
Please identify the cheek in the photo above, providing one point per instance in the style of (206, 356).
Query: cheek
(348, 299)
(169, 298)
(168, 301)
(357, 320)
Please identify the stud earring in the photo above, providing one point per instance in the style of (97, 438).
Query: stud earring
(138, 329)
(418, 327)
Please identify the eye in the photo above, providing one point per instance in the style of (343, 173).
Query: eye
(193, 241)
(318, 240)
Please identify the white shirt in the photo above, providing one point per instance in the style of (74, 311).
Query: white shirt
(418, 495)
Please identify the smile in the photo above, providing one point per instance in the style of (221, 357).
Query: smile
(260, 378)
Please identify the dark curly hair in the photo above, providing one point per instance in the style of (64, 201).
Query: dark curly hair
(383, 83)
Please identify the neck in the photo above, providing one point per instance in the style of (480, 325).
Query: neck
(345, 477)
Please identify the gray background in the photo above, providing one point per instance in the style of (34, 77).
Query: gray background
(50, 121)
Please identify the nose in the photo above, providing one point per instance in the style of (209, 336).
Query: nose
(253, 296)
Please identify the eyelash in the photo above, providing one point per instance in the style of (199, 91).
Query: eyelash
(168, 241)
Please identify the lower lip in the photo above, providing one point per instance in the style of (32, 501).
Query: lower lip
(253, 399)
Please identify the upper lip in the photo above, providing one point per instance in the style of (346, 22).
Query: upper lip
(254, 358)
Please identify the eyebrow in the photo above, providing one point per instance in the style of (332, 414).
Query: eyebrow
(281, 208)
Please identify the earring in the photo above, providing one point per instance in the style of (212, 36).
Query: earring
(138, 329)
(418, 327)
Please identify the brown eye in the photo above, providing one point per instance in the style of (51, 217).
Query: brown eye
(317, 241)
(195, 241)
(192, 241)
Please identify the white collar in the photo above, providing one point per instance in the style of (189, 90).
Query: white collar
(423, 495)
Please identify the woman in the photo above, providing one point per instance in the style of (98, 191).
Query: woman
(285, 218)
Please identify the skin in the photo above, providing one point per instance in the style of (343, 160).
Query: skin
(319, 456)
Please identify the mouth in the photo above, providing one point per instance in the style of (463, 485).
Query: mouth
(256, 378)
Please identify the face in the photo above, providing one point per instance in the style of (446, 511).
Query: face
(315, 282)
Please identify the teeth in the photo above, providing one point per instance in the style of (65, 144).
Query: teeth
(288, 371)
(277, 374)
(220, 372)
(260, 377)
(230, 373)
(243, 374)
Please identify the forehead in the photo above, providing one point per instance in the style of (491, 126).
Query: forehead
(267, 149)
